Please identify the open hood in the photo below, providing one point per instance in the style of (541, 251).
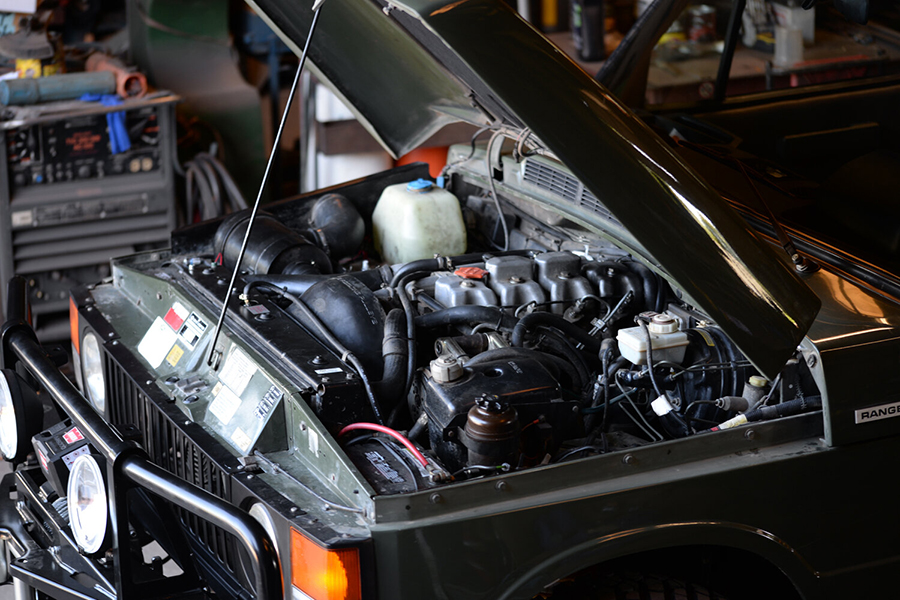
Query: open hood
(409, 69)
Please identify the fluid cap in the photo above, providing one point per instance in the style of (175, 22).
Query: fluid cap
(419, 186)
(445, 370)
(663, 324)
(757, 381)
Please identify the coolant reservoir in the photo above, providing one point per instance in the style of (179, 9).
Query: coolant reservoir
(417, 220)
(666, 341)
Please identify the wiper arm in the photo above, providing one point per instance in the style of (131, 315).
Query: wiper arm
(801, 263)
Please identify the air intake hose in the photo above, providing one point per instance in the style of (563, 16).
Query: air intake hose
(336, 226)
(394, 351)
(335, 230)
(353, 315)
(272, 247)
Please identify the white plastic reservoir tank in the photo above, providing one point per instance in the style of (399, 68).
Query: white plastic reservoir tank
(417, 220)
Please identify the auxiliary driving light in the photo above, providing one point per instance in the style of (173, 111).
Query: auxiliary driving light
(21, 414)
(92, 371)
(88, 509)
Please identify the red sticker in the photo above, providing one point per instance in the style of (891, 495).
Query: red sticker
(470, 273)
(173, 319)
(72, 436)
(43, 460)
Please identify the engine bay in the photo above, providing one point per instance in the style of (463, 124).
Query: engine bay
(541, 342)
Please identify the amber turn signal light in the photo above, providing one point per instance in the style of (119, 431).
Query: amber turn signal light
(324, 574)
(73, 325)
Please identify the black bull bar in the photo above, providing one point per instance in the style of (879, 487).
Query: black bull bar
(128, 466)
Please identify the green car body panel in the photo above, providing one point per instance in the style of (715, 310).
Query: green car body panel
(808, 494)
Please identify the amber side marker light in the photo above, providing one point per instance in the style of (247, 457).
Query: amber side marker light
(73, 325)
(323, 574)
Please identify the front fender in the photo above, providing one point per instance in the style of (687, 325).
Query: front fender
(635, 541)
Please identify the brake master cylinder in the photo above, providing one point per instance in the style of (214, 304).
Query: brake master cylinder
(666, 341)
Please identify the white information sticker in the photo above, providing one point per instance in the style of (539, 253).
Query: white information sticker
(225, 404)
(241, 439)
(157, 342)
(237, 370)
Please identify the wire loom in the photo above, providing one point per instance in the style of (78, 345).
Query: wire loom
(207, 185)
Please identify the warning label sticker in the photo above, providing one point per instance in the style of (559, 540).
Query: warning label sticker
(72, 436)
(176, 316)
(157, 342)
(192, 329)
(175, 355)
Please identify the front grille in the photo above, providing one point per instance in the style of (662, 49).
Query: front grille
(172, 450)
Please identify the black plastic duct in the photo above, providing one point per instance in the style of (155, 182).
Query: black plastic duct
(335, 230)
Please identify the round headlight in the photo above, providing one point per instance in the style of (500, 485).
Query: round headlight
(21, 415)
(9, 431)
(86, 498)
(92, 371)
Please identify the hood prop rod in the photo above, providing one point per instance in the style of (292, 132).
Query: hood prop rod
(262, 186)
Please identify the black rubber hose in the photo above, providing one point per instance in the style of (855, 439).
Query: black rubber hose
(531, 321)
(606, 350)
(298, 284)
(394, 351)
(791, 407)
(467, 314)
(409, 313)
(336, 225)
(561, 346)
(336, 345)
(427, 265)
(353, 314)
